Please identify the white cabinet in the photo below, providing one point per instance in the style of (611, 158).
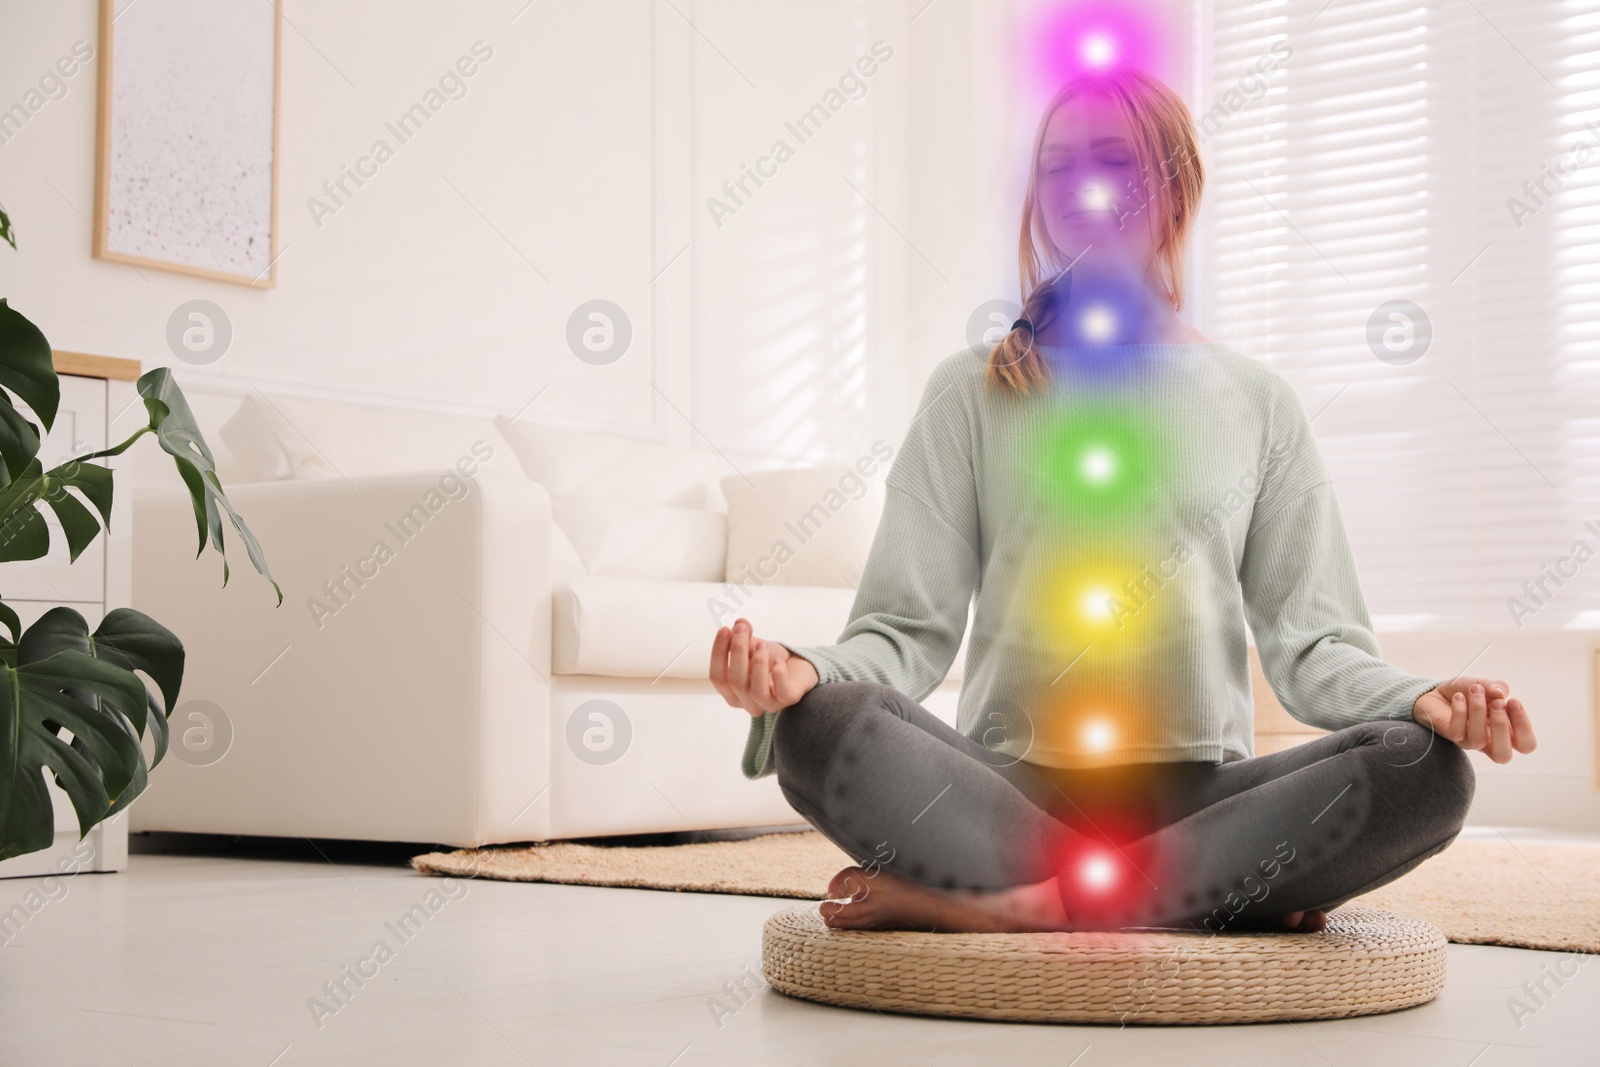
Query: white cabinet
(95, 412)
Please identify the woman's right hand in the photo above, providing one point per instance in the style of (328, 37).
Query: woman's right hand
(756, 675)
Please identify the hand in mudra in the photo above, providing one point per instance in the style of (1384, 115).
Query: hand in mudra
(756, 675)
(1478, 714)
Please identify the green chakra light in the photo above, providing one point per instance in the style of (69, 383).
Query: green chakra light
(1097, 460)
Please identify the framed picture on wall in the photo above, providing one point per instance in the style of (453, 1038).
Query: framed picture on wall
(187, 150)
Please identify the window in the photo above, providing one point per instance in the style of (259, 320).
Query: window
(1447, 155)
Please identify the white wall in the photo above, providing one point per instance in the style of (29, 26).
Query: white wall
(576, 167)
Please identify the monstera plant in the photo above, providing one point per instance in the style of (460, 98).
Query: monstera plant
(71, 699)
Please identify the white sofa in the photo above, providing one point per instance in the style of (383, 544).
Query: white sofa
(442, 690)
(435, 699)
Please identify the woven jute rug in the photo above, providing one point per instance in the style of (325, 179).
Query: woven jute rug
(1478, 891)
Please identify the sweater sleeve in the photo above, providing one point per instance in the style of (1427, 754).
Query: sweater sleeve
(911, 610)
(1303, 599)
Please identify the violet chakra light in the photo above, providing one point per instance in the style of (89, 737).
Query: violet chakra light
(1074, 38)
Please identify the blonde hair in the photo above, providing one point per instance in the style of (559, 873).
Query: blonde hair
(1168, 152)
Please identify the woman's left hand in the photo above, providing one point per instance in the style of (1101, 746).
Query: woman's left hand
(1478, 714)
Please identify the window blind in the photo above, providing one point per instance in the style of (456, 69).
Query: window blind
(1445, 155)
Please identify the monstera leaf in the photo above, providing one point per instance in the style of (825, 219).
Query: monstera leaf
(132, 641)
(66, 691)
(13, 625)
(26, 370)
(61, 678)
(179, 436)
(24, 534)
(23, 531)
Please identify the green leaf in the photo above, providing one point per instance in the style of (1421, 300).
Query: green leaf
(136, 785)
(27, 368)
(23, 532)
(37, 701)
(19, 441)
(129, 639)
(94, 482)
(8, 618)
(133, 641)
(76, 522)
(179, 436)
(90, 479)
(6, 234)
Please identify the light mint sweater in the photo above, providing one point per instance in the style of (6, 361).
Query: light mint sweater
(1113, 535)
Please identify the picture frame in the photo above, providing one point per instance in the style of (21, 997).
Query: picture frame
(188, 181)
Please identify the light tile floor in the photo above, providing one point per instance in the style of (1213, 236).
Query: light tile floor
(212, 954)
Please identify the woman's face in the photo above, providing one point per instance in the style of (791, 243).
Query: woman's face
(1094, 197)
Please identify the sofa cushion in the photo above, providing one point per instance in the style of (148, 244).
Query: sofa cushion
(565, 563)
(250, 438)
(621, 539)
(570, 462)
(635, 628)
(295, 437)
(810, 526)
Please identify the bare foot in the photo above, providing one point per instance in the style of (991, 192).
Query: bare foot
(1305, 922)
(884, 902)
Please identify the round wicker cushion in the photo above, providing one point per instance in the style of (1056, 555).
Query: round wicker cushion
(1365, 962)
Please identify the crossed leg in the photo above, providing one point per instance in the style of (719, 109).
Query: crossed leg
(948, 835)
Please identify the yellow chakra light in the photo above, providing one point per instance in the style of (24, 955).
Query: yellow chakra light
(1100, 600)
(1099, 606)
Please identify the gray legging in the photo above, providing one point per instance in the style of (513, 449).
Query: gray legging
(1154, 844)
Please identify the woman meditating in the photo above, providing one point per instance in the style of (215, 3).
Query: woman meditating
(1115, 498)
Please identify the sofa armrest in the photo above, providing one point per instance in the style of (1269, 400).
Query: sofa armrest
(400, 692)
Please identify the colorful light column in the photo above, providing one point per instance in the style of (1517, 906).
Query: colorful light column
(1096, 471)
